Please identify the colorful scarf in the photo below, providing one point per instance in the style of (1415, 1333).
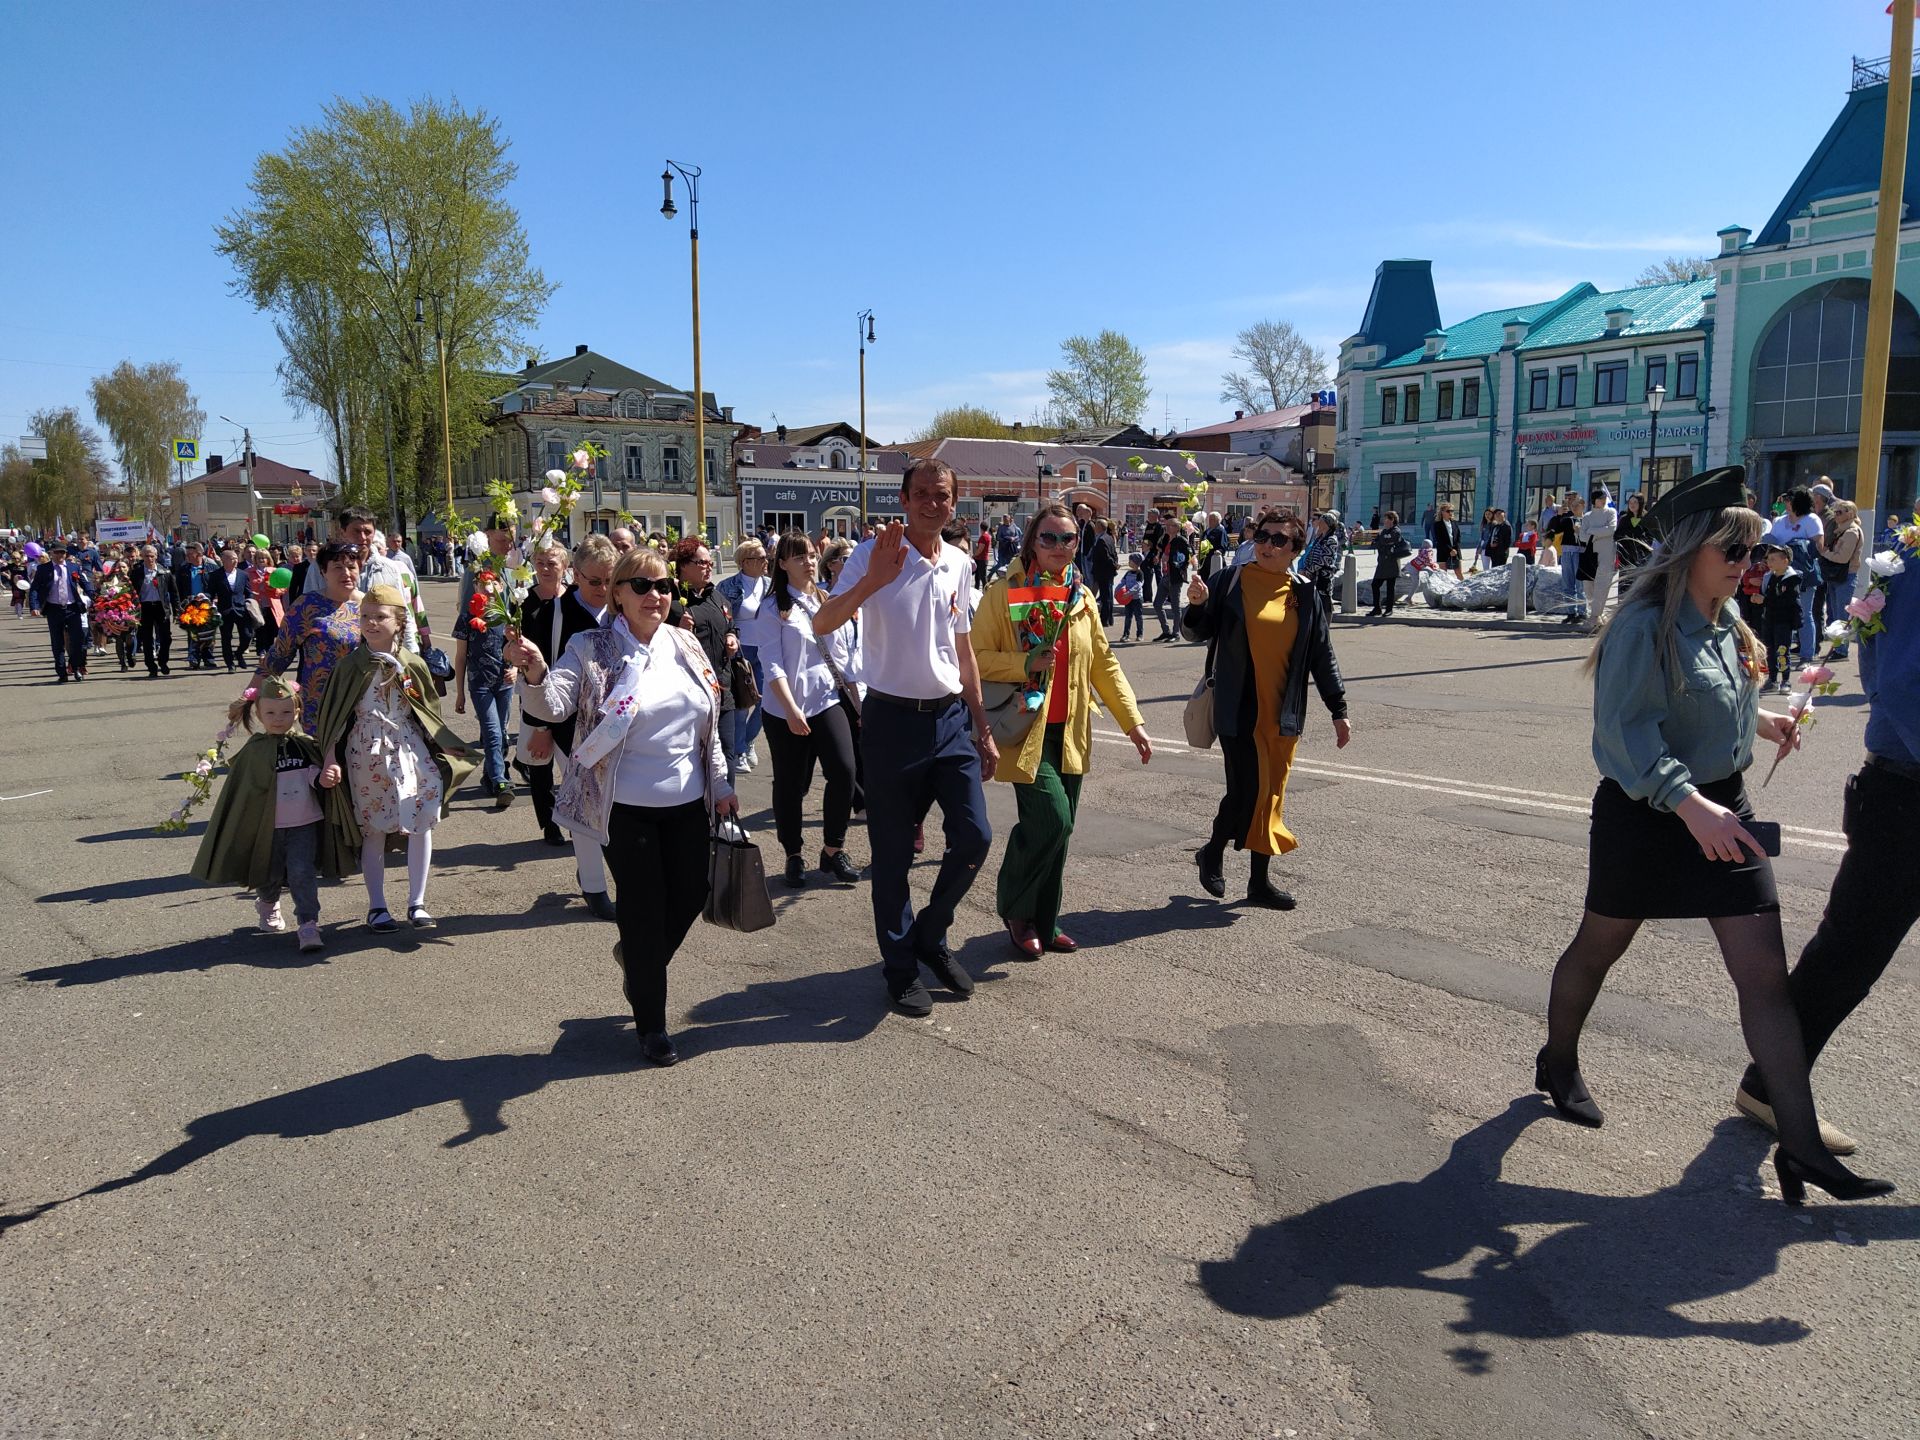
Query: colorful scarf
(1038, 613)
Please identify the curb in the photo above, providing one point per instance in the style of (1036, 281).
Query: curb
(1547, 626)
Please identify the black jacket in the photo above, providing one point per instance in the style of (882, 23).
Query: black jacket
(78, 583)
(1101, 559)
(536, 624)
(1446, 541)
(229, 597)
(162, 585)
(712, 623)
(1498, 542)
(1222, 622)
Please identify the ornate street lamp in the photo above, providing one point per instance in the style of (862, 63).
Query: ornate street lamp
(691, 175)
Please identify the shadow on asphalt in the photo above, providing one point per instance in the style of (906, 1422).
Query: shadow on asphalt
(194, 831)
(483, 1085)
(828, 1007)
(1620, 1265)
(135, 889)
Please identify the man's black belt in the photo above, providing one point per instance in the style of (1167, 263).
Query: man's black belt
(925, 707)
(1894, 767)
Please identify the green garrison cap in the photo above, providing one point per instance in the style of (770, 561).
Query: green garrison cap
(1710, 490)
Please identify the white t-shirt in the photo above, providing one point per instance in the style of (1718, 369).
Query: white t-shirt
(1790, 527)
(908, 630)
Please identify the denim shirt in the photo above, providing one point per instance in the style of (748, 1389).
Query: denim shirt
(1661, 737)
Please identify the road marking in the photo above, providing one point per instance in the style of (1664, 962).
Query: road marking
(1488, 794)
(28, 796)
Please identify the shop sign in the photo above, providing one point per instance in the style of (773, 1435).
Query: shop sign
(290, 510)
(810, 494)
(1580, 437)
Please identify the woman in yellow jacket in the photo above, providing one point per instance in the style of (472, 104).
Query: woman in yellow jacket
(1038, 626)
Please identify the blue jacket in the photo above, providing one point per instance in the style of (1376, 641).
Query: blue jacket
(1890, 672)
(77, 583)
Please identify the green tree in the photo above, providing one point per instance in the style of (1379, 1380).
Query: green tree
(1103, 382)
(143, 408)
(1283, 368)
(964, 422)
(63, 490)
(1676, 268)
(351, 222)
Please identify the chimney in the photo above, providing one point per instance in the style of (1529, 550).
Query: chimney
(579, 349)
(1239, 414)
(783, 434)
(726, 412)
(1619, 317)
(1016, 429)
(216, 462)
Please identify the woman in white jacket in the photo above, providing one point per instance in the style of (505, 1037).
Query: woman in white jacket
(1595, 531)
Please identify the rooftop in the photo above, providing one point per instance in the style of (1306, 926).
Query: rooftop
(1847, 160)
(1576, 318)
(1261, 420)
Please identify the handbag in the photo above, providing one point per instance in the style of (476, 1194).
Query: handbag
(1008, 718)
(1197, 718)
(746, 694)
(736, 882)
(439, 667)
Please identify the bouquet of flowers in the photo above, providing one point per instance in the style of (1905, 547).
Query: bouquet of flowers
(501, 583)
(114, 613)
(1864, 617)
(196, 615)
(200, 778)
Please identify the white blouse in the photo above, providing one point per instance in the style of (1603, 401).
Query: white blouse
(789, 653)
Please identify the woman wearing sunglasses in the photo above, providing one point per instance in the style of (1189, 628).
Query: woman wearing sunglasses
(1676, 714)
(1038, 627)
(1266, 632)
(646, 773)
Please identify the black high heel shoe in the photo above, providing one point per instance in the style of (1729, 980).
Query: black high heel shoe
(1574, 1102)
(1794, 1178)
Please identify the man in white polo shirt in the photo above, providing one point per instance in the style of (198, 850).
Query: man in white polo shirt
(923, 733)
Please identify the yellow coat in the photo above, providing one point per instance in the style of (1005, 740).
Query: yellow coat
(1091, 670)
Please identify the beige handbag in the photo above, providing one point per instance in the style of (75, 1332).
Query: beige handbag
(1197, 718)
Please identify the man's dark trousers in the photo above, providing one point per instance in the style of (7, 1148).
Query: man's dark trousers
(913, 759)
(1873, 904)
(69, 640)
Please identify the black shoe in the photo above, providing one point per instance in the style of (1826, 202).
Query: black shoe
(657, 1046)
(1839, 1182)
(1573, 1102)
(912, 998)
(1373, 614)
(520, 769)
(838, 867)
(381, 923)
(502, 795)
(796, 872)
(418, 917)
(554, 835)
(601, 904)
(1264, 893)
(942, 964)
(61, 678)
(1212, 880)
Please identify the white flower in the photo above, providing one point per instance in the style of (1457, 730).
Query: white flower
(551, 496)
(477, 545)
(1887, 562)
(1836, 631)
(556, 477)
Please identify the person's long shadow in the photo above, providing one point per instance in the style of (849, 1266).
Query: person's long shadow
(482, 1085)
(827, 1007)
(1181, 914)
(139, 888)
(1622, 1266)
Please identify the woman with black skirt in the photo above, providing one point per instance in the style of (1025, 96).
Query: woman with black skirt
(1676, 714)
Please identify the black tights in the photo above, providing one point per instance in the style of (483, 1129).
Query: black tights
(1756, 957)
(1390, 578)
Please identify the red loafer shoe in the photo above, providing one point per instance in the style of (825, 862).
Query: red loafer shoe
(1024, 939)
(1063, 944)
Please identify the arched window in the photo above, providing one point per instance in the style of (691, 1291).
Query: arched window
(1810, 366)
(836, 461)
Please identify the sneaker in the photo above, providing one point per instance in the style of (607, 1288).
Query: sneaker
(912, 999)
(310, 937)
(502, 795)
(745, 761)
(942, 964)
(838, 867)
(753, 756)
(270, 917)
(601, 904)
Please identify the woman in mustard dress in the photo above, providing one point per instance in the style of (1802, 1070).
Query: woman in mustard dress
(1266, 633)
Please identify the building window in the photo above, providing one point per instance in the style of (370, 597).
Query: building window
(1610, 383)
(1545, 485)
(1083, 475)
(713, 468)
(1397, 490)
(1661, 474)
(636, 468)
(670, 466)
(781, 521)
(1656, 374)
(1412, 417)
(1537, 387)
(1460, 489)
(556, 454)
(1469, 399)
(1389, 407)
(835, 461)
(1443, 400)
(1686, 377)
(1569, 386)
(676, 526)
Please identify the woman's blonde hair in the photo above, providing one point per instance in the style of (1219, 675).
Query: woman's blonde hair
(1844, 513)
(748, 550)
(1661, 585)
(595, 550)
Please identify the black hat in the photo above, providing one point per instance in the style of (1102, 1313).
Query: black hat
(1710, 490)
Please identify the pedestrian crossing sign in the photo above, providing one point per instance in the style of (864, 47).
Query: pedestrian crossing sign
(186, 449)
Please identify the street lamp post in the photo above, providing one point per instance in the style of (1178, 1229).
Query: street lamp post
(1656, 397)
(863, 327)
(440, 352)
(246, 469)
(691, 175)
(1041, 470)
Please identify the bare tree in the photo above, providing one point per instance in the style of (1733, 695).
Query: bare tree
(1674, 269)
(1283, 368)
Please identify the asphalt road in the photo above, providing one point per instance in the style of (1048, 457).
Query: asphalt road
(1223, 1173)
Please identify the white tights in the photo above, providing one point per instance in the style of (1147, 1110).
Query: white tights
(373, 864)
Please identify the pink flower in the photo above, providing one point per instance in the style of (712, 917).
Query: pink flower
(1868, 605)
(1193, 465)
(549, 496)
(582, 460)
(1814, 675)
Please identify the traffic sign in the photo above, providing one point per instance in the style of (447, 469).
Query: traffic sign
(186, 449)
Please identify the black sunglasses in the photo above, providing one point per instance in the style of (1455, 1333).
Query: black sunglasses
(1272, 537)
(1055, 539)
(1737, 551)
(640, 585)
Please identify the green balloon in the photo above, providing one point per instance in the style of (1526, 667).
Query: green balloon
(261, 542)
(281, 578)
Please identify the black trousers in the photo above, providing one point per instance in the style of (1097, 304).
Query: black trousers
(1389, 577)
(156, 635)
(540, 783)
(657, 856)
(831, 743)
(1777, 636)
(68, 639)
(1873, 904)
(1103, 588)
(231, 627)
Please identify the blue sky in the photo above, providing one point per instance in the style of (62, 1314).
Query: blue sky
(990, 178)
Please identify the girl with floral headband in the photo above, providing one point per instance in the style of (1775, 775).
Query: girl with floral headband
(381, 732)
(266, 831)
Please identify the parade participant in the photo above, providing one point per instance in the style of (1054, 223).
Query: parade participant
(1875, 898)
(1799, 530)
(1676, 716)
(982, 555)
(744, 591)
(1595, 531)
(1446, 541)
(1170, 566)
(647, 774)
(266, 832)
(912, 591)
(1321, 562)
(61, 592)
(1102, 561)
(260, 590)
(381, 732)
(833, 559)
(1267, 634)
(297, 564)
(1133, 616)
(151, 584)
(806, 684)
(701, 608)
(1779, 617)
(228, 588)
(622, 539)
(320, 631)
(1839, 561)
(1389, 549)
(390, 564)
(1496, 543)
(1006, 544)
(1039, 629)
(479, 671)
(542, 619)
(194, 576)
